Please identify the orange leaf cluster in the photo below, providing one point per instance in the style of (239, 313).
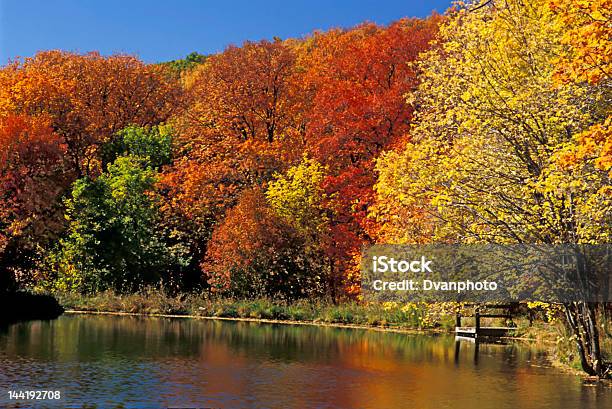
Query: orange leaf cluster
(588, 34)
(87, 98)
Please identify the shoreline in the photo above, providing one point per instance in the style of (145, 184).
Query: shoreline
(415, 331)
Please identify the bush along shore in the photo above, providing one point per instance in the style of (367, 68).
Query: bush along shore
(24, 306)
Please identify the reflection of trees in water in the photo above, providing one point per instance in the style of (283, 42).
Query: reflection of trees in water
(182, 361)
(106, 337)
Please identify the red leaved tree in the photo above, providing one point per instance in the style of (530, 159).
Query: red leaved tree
(32, 178)
(254, 252)
(358, 80)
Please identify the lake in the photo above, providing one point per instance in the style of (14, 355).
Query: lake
(139, 362)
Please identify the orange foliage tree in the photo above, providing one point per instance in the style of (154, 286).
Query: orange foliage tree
(242, 124)
(255, 252)
(588, 34)
(88, 98)
(587, 28)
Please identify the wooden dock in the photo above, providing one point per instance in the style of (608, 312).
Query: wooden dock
(483, 332)
(478, 331)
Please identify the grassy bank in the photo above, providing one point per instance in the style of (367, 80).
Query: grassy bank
(419, 316)
(409, 316)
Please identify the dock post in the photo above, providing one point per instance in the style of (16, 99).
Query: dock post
(458, 320)
(457, 349)
(477, 315)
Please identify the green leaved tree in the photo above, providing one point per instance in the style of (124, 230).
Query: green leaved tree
(115, 239)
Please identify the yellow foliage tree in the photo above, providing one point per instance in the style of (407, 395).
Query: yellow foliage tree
(485, 160)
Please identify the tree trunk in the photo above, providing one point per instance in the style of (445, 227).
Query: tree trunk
(581, 318)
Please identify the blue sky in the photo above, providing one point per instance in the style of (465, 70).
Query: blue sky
(169, 29)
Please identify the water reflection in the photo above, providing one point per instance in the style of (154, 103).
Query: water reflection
(155, 362)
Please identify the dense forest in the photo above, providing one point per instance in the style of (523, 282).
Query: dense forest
(266, 169)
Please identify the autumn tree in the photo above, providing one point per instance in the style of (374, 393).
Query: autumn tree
(244, 111)
(297, 197)
(242, 124)
(483, 164)
(32, 178)
(585, 162)
(254, 252)
(357, 80)
(88, 98)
